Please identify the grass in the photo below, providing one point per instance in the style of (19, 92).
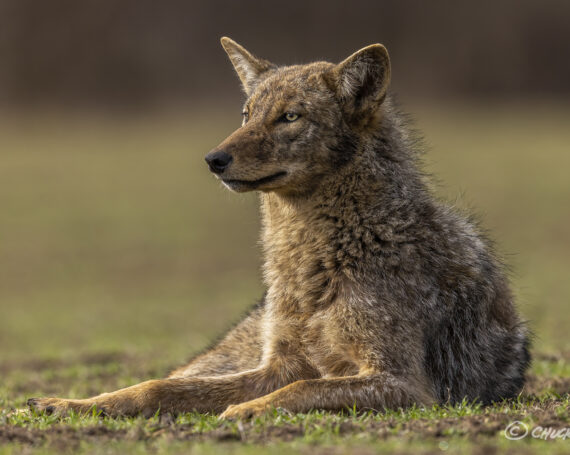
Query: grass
(461, 428)
(120, 256)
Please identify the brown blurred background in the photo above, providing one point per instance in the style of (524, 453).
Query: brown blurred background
(142, 52)
(114, 235)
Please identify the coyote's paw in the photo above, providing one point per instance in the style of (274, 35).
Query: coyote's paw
(62, 407)
(246, 410)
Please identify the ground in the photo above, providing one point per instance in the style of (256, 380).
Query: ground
(120, 256)
(456, 429)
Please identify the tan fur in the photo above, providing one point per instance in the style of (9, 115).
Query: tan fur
(363, 268)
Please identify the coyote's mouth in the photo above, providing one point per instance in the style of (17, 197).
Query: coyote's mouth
(244, 185)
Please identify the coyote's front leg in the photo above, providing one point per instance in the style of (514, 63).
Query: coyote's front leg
(207, 394)
(375, 391)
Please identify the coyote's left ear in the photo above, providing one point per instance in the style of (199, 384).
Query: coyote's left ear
(362, 79)
(250, 69)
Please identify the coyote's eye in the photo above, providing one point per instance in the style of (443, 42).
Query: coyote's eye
(290, 116)
(245, 116)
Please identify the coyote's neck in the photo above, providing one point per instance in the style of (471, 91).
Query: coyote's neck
(316, 245)
(352, 226)
(300, 257)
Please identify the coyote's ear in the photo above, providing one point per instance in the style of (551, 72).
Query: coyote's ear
(249, 68)
(362, 79)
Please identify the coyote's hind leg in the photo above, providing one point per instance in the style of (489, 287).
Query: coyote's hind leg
(239, 350)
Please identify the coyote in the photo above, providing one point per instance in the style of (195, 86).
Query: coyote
(378, 295)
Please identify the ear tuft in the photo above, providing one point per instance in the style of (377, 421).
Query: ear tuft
(362, 79)
(250, 69)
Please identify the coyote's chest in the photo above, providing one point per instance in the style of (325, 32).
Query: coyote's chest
(319, 333)
(300, 267)
(307, 289)
(303, 250)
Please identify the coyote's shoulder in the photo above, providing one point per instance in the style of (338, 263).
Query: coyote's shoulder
(378, 295)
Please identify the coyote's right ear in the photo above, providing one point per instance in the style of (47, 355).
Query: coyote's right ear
(249, 68)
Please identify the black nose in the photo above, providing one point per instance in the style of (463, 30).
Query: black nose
(218, 161)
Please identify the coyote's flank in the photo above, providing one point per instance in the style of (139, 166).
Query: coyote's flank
(378, 295)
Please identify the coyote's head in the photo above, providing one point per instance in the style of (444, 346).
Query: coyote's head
(299, 122)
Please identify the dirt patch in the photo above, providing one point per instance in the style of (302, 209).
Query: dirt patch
(88, 359)
(88, 374)
(537, 385)
(60, 437)
(563, 356)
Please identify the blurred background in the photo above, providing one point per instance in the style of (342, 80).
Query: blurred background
(115, 237)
